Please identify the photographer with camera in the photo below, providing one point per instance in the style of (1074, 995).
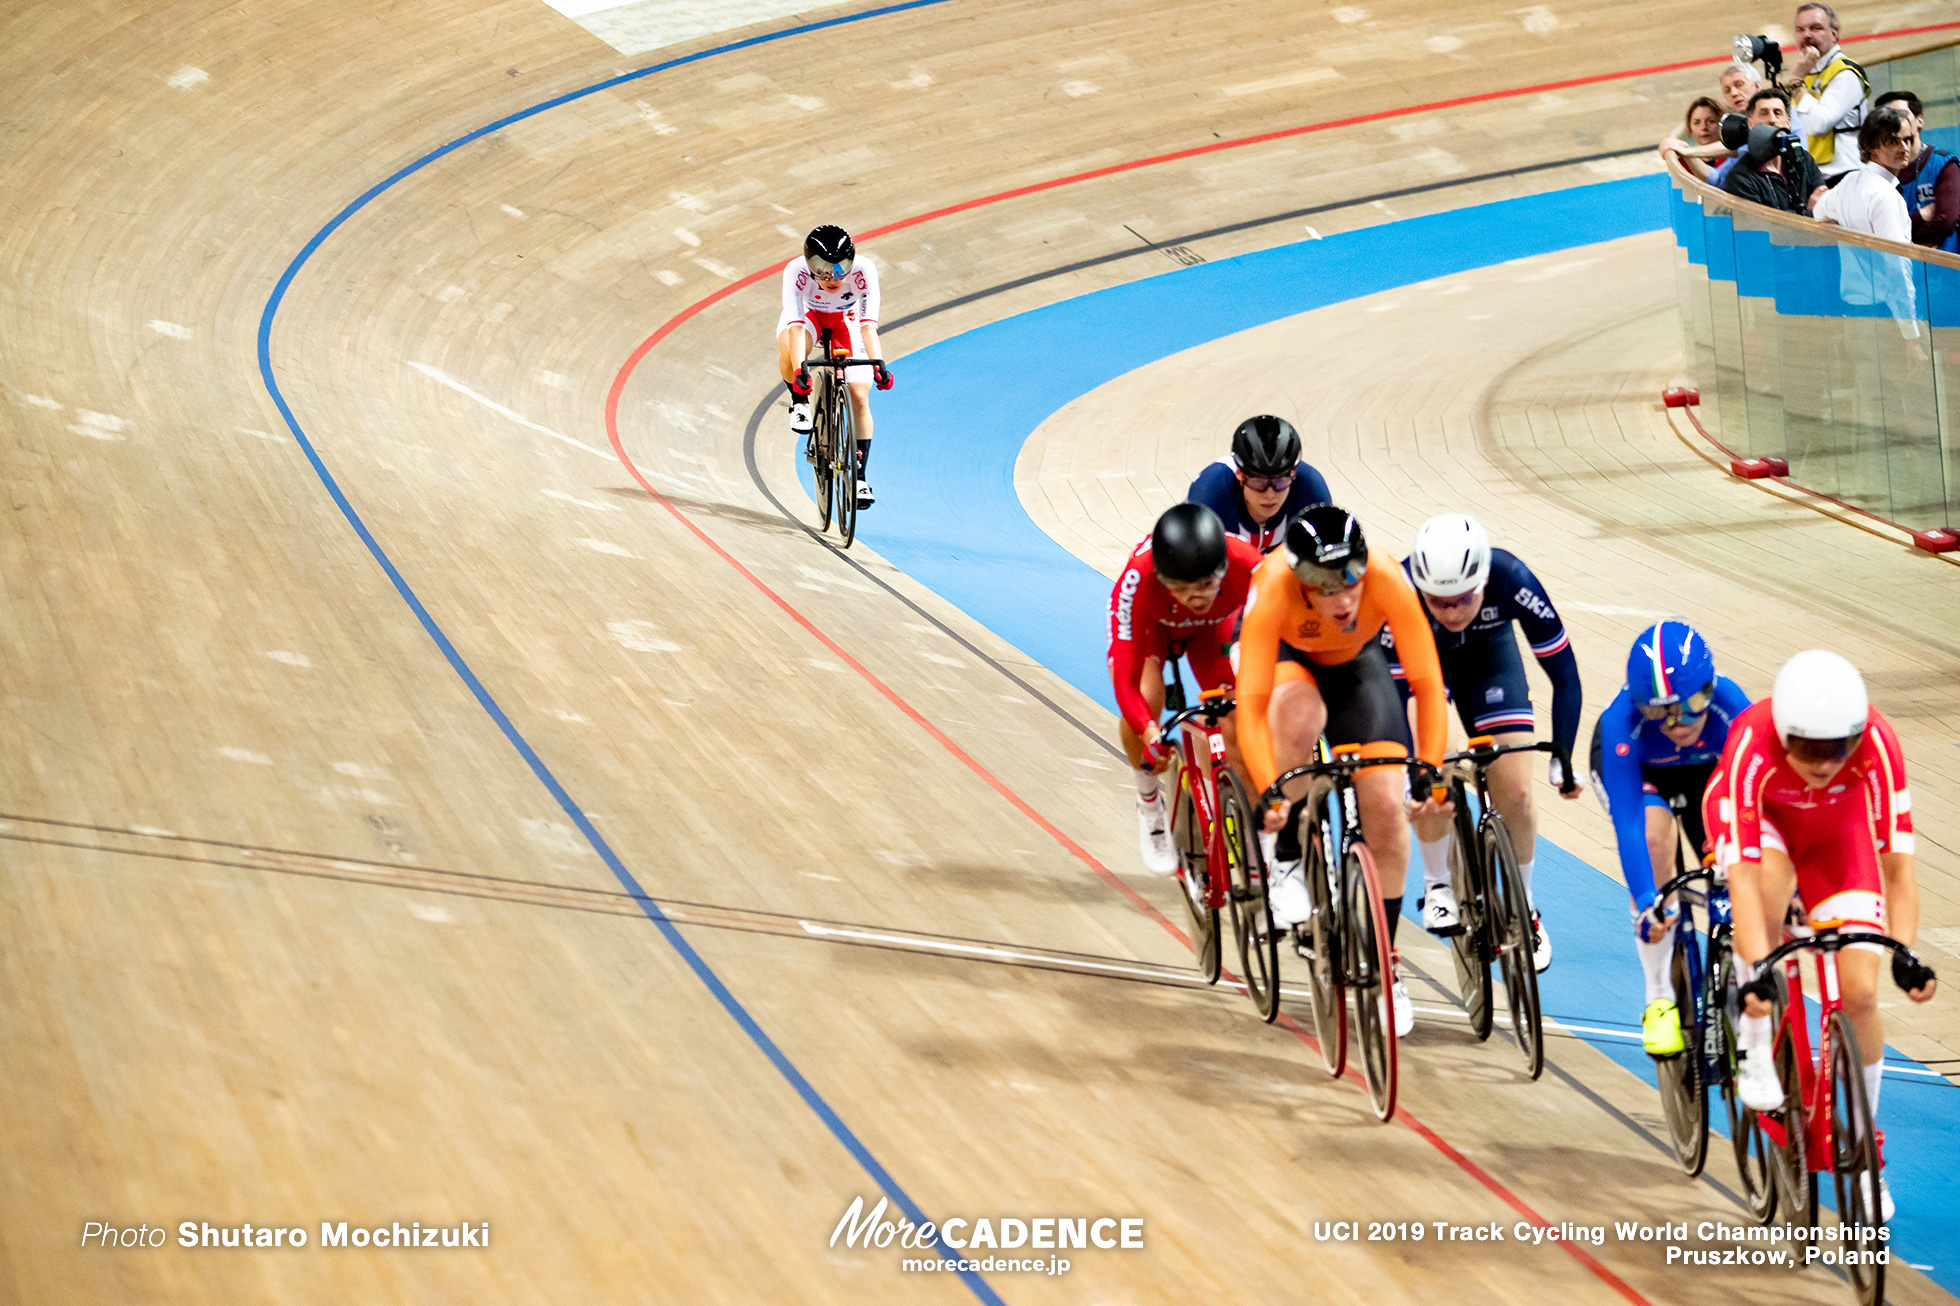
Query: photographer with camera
(1830, 92)
(1773, 169)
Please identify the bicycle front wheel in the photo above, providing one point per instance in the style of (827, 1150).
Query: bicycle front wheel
(1511, 927)
(1854, 1160)
(1371, 978)
(844, 423)
(825, 470)
(1790, 1160)
(1684, 1095)
(1324, 966)
(1252, 914)
(1752, 1149)
(1469, 948)
(1194, 870)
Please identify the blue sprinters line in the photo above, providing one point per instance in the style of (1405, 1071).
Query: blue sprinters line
(811, 1098)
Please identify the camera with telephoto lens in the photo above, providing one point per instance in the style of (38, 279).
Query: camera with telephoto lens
(1748, 49)
(1767, 140)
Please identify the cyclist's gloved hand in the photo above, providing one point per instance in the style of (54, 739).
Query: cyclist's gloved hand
(1562, 779)
(1651, 922)
(1763, 987)
(883, 376)
(1155, 755)
(1909, 972)
(800, 384)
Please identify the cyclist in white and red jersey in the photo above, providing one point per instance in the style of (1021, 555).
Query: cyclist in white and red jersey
(1177, 596)
(1810, 798)
(828, 289)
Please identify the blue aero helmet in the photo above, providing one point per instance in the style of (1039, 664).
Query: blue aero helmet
(1671, 672)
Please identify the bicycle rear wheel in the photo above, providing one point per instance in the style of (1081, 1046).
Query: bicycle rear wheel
(1371, 978)
(1854, 1159)
(1684, 1095)
(1324, 966)
(844, 423)
(1194, 871)
(1252, 914)
(1752, 1149)
(1469, 948)
(824, 471)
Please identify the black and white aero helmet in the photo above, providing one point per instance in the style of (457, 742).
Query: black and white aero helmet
(829, 252)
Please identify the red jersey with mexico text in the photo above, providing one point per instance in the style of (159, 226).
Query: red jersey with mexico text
(1756, 800)
(1146, 622)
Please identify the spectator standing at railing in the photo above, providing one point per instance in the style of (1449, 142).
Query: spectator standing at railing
(1829, 95)
(1868, 201)
(1930, 181)
(1766, 172)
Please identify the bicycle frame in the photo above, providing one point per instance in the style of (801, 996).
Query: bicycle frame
(1201, 752)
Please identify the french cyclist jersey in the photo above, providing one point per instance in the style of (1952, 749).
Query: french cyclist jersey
(1217, 488)
(1629, 742)
(857, 297)
(1512, 593)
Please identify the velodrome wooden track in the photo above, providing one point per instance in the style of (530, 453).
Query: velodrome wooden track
(293, 931)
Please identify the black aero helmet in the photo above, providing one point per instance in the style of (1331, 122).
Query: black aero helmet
(829, 252)
(1266, 446)
(1188, 544)
(1325, 547)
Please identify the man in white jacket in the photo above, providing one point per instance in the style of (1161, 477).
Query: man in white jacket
(1868, 201)
(1828, 101)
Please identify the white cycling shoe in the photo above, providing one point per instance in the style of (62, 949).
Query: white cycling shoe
(1756, 1082)
(1154, 836)
(1405, 1013)
(865, 497)
(1439, 911)
(1886, 1207)
(800, 420)
(1541, 955)
(1288, 893)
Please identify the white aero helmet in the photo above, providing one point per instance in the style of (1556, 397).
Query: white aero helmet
(1452, 556)
(1819, 696)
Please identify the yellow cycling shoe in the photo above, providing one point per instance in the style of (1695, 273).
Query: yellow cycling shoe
(1660, 1028)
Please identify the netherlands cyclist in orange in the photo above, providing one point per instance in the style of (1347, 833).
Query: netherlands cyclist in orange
(1310, 663)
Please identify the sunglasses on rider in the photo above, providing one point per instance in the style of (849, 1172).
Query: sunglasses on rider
(824, 270)
(1267, 484)
(1821, 750)
(1331, 580)
(1469, 599)
(1691, 708)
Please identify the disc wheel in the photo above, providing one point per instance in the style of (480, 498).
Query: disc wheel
(824, 471)
(844, 423)
(1854, 1158)
(1194, 872)
(1324, 986)
(1371, 979)
(1252, 913)
(1684, 1095)
(1751, 1146)
(1510, 920)
(1469, 948)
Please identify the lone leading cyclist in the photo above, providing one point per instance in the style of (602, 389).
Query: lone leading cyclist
(1811, 799)
(828, 289)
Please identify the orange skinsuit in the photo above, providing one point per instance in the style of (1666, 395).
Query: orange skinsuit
(1277, 609)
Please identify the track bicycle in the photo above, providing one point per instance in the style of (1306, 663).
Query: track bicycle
(1218, 862)
(832, 447)
(1826, 1122)
(1491, 897)
(1703, 974)
(1345, 937)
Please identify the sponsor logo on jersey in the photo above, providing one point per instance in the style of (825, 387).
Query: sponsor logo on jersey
(1488, 614)
(1531, 603)
(1126, 597)
(1495, 694)
(1621, 749)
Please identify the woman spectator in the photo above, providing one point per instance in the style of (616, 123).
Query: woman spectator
(1700, 144)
